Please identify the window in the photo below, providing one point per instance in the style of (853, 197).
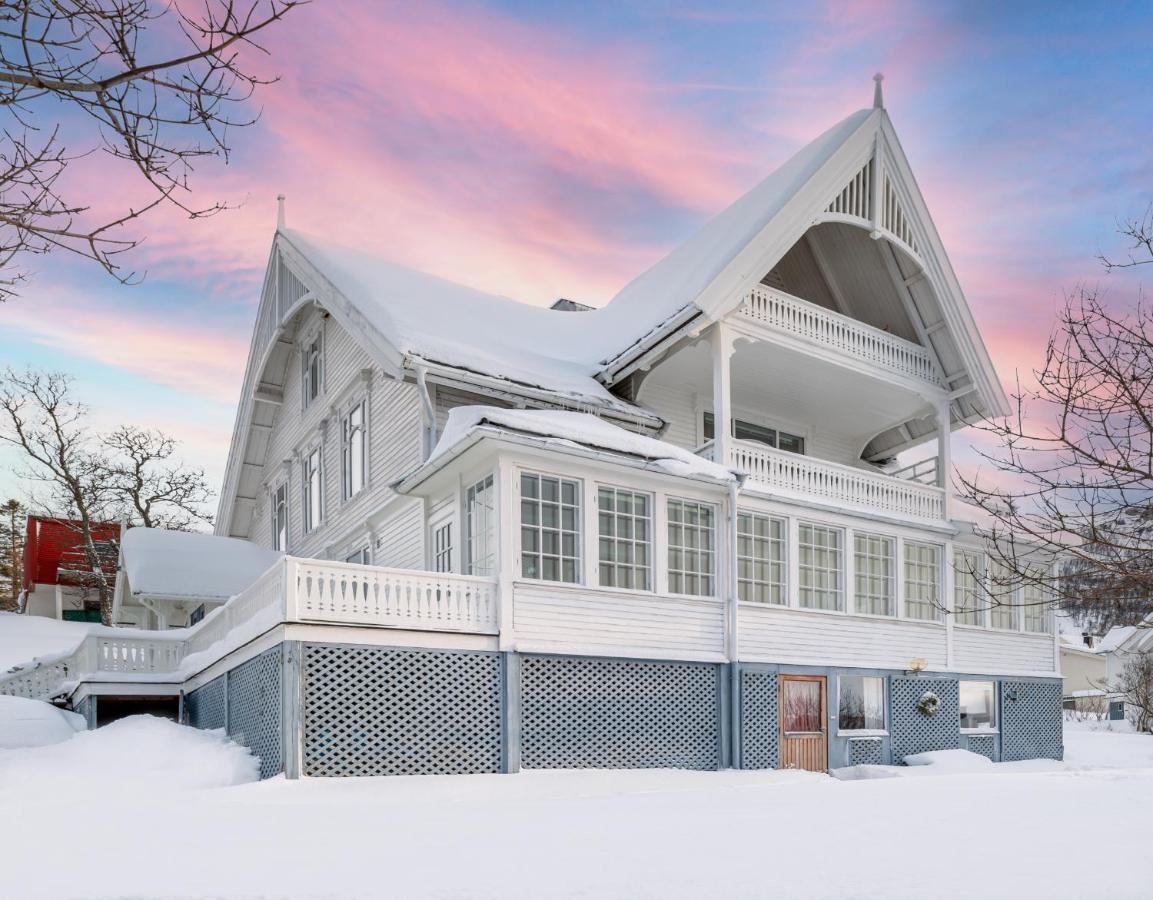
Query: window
(360, 557)
(312, 490)
(442, 548)
(978, 706)
(1034, 604)
(875, 574)
(747, 431)
(760, 559)
(922, 581)
(625, 524)
(478, 517)
(860, 703)
(353, 447)
(196, 616)
(1003, 613)
(820, 566)
(692, 551)
(280, 518)
(311, 370)
(969, 599)
(549, 528)
(801, 711)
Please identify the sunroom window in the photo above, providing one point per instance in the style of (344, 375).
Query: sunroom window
(1004, 611)
(969, 600)
(480, 543)
(820, 566)
(860, 703)
(442, 548)
(875, 562)
(1033, 603)
(549, 528)
(922, 581)
(625, 525)
(760, 559)
(692, 548)
(978, 703)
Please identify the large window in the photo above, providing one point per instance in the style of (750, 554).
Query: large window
(1033, 603)
(1003, 589)
(549, 528)
(978, 706)
(480, 543)
(353, 451)
(313, 490)
(312, 361)
(625, 524)
(820, 566)
(692, 548)
(760, 559)
(922, 581)
(860, 703)
(969, 600)
(747, 431)
(280, 518)
(875, 562)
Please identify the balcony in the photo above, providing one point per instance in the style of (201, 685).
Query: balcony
(797, 477)
(843, 336)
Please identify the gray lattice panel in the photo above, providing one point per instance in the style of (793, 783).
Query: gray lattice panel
(87, 709)
(254, 709)
(866, 752)
(377, 711)
(760, 736)
(205, 707)
(619, 714)
(915, 732)
(985, 744)
(1031, 720)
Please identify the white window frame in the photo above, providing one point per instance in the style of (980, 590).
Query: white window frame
(978, 615)
(279, 502)
(861, 571)
(996, 706)
(312, 507)
(312, 382)
(935, 604)
(362, 557)
(354, 474)
(865, 732)
(803, 567)
(442, 546)
(629, 543)
(1034, 609)
(1002, 600)
(750, 565)
(480, 527)
(707, 574)
(541, 531)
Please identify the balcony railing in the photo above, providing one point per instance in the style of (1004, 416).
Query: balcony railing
(804, 320)
(803, 477)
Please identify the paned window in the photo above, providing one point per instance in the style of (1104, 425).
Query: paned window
(860, 703)
(280, 518)
(442, 548)
(360, 557)
(1033, 603)
(760, 559)
(1003, 613)
(312, 362)
(748, 431)
(875, 561)
(820, 565)
(969, 600)
(353, 451)
(480, 544)
(922, 581)
(549, 528)
(692, 548)
(624, 522)
(313, 499)
(978, 706)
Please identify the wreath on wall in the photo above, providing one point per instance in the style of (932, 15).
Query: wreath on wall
(929, 704)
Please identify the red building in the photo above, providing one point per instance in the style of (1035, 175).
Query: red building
(57, 576)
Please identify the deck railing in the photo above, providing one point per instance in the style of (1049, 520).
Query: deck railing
(801, 319)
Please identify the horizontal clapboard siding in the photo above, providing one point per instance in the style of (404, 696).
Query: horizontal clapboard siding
(557, 619)
(771, 634)
(978, 650)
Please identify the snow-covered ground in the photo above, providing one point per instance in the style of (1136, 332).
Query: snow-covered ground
(131, 811)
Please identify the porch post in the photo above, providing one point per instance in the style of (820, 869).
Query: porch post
(945, 455)
(722, 347)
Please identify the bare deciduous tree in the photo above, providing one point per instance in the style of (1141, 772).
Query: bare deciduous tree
(154, 85)
(12, 524)
(155, 490)
(1135, 687)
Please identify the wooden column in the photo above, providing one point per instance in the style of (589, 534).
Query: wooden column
(722, 348)
(945, 455)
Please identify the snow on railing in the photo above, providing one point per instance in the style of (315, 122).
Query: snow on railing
(808, 477)
(322, 591)
(800, 318)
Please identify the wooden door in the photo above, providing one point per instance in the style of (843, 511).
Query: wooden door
(804, 723)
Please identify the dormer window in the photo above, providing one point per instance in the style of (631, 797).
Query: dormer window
(312, 363)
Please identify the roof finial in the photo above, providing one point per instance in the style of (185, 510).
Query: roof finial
(878, 95)
(279, 212)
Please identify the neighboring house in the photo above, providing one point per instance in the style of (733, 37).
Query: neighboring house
(58, 580)
(668, 532)
(1119, 646)
(1083, 669)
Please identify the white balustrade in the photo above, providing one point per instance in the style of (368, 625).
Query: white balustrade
(396, 598)
(804, 476)
(800, 318)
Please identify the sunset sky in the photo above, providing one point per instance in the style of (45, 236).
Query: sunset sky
(556, 149)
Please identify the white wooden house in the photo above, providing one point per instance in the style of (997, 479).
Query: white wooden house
(671, 531)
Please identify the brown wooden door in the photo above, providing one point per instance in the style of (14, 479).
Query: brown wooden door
(804, 723)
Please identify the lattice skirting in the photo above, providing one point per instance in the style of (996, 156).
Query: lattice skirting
(378, 711)
(913, 731)
(760, 736)
(865, 752)
(87, 709)
(206, 707)
(1031, 720)
(611, 713)
(985, 744)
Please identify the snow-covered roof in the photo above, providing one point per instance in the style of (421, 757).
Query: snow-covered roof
(161, 563)
(576, 430)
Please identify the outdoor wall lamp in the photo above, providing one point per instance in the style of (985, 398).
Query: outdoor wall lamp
(917, 666)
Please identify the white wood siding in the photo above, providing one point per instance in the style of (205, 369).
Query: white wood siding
(562, 619)
(978, 650)
(400, 539)
(775, 634)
